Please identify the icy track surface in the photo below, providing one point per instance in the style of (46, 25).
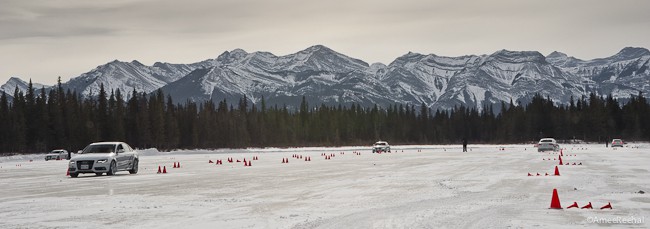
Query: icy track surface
(412, 187)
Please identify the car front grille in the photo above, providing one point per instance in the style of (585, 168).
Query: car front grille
(81, 164)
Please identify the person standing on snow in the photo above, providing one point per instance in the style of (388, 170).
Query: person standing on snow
(464, 144)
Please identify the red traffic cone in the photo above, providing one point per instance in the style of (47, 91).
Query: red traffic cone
(555, 201)
(546, 174)
(249, 163)
(210, 161)
(530, 175)
(244, 160)
(560, 160)
(164, 169)
(174, 165)
(561, 153)
(557, 171)
(178, 164)
(283, 161)
(537, 174)
(574, 205)
(67, 172)
(159, 171)
(609, 205)
(588, 206)
(287, 160)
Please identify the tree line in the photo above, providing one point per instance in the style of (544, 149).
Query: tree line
(38, 122)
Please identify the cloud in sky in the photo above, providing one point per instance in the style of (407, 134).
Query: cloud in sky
(43, 39)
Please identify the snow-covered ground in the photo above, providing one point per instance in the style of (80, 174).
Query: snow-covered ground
(412, 187)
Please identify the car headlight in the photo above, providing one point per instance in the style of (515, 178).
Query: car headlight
(102, 161)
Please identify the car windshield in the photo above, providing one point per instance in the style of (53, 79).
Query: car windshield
(380, 144)
(547, 140)
(104, 148)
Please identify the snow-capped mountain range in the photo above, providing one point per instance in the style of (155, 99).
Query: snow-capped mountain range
(325, 76)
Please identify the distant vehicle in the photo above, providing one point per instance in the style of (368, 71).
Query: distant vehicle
(57, 154)
(104, 157)
(617, 143)
(546, 144)
(380, 146)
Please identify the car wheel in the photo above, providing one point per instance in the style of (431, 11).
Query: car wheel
(112, 170)
(98, 174)
(134, 169)
(74, 175)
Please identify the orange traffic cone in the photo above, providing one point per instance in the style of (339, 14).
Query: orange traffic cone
(574, 205)
(557, 171)
(164, 169)
(588, 206)
(609, 205)
(555, 201)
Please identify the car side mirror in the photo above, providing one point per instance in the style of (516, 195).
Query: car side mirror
(79, 151)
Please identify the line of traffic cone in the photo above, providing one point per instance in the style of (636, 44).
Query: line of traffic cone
(177, 165)
(285, 160)
(164, 169)
(557, 173)
(555, 203)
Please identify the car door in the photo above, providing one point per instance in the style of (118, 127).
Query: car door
(121, 157)
(126, 156)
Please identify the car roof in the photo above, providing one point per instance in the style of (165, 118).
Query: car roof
(106, 143)
(381, 142)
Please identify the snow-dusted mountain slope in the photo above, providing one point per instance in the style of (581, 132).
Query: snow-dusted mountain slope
(128, 76)
(323, 75)
(14, 82)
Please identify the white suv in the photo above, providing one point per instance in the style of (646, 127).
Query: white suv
(546, 144)
(104, 157)
(380, 146)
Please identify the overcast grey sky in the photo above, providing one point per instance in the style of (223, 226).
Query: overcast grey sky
(43, 39)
